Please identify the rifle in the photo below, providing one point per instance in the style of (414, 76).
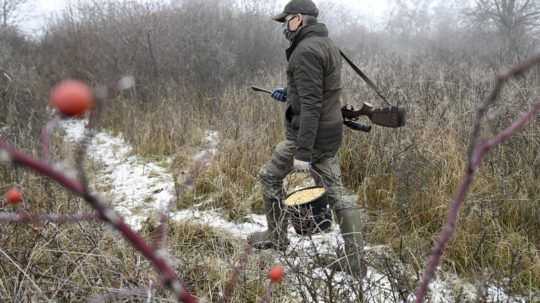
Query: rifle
(347, 122)
(387, 116)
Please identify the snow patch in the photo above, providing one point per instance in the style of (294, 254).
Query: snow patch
(211, 141)
(139, 189)
(215, 220)
(497, 294)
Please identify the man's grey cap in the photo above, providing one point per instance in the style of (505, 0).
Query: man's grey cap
(304, 7)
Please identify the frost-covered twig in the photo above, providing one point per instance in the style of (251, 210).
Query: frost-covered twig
(45, 137)
(268, 296)
(25, 218)
(25, 274)
(236, 272)
(477, 150)
(6, 75)
(160, 238)
(121, 293)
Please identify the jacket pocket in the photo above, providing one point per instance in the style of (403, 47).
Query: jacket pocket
(293, 120)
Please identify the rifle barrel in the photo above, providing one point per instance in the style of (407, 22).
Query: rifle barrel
(262, 90)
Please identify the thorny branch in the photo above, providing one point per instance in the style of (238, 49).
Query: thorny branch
(477, 150)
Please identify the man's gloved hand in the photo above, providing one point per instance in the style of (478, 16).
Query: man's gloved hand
(300, 165)
(280, 94)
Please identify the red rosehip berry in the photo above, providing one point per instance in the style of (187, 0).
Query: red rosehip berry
(14, 196)
(72, 98)
(276, 274)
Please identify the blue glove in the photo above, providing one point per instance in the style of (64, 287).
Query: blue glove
(280, 94)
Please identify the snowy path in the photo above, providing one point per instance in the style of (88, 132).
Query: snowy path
(140, 189)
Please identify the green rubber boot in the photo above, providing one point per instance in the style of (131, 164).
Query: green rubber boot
(351, 260)
(275, 237)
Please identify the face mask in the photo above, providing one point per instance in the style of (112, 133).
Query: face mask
(289, 35)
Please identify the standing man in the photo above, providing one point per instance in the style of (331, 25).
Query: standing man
(314, 133)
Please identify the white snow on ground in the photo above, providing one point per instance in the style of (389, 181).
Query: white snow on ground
(212, 141)
(326, 242)
(496, 294)
(215, 220)
(140, 189)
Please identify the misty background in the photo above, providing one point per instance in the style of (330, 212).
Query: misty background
(193, 62)
(35, 13)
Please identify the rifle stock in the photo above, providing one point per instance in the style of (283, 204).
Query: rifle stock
(391, 116)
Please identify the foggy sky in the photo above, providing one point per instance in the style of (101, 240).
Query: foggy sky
(41, 9)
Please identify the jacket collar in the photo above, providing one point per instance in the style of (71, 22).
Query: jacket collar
(312, 30)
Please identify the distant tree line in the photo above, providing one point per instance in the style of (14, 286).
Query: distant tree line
(208, 45)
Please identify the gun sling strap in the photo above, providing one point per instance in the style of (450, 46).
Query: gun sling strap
(364, 77)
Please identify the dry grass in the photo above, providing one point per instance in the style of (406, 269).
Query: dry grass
(405, 178)
(75, 263)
